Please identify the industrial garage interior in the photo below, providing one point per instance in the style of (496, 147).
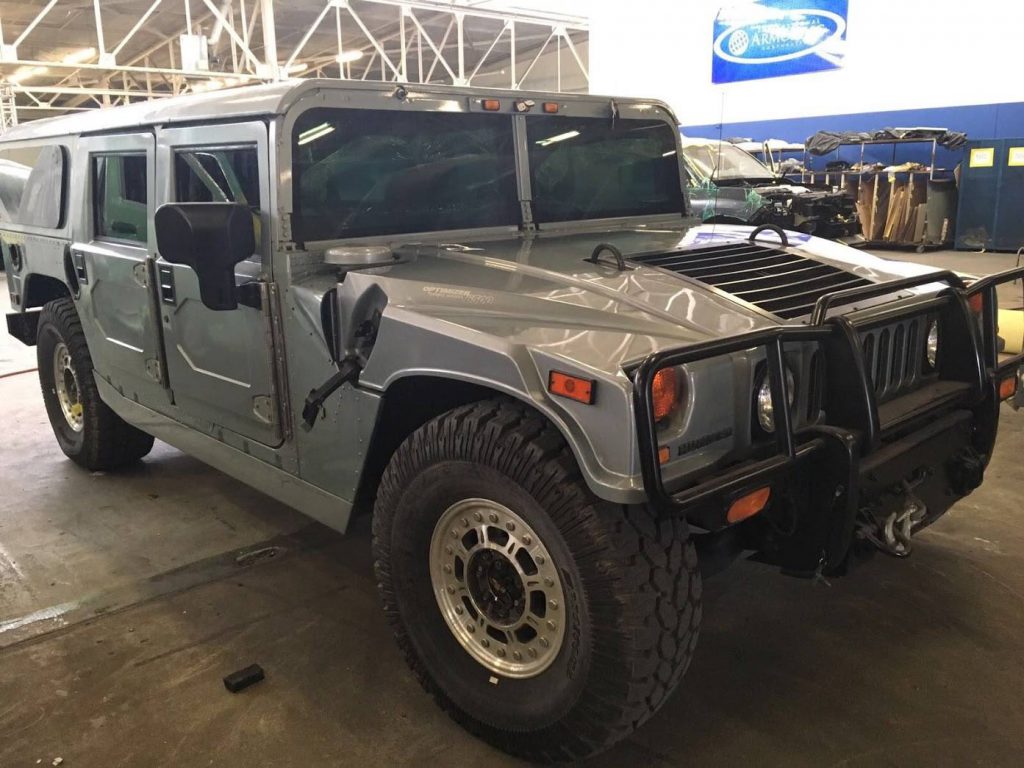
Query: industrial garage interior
(854, 562)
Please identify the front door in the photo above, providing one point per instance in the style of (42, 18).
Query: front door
(111, 258)
(220, 365)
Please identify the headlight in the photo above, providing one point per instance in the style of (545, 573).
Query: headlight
(932, 345)
(765, 412)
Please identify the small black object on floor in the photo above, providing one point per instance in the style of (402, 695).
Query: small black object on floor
(243, 678)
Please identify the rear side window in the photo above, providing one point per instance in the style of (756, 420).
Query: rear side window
(381, 172)
(33, 185)
(217, 175)
(120, 197)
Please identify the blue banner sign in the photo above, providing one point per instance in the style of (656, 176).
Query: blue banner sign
(774, 38)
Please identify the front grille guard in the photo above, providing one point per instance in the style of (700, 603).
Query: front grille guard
(970, 356)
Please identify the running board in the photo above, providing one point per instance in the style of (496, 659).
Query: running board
(333, 511)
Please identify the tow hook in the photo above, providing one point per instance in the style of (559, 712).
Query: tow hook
(890, 531)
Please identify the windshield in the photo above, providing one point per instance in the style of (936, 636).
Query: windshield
(721, 161)
(594, 168)
(361, 172)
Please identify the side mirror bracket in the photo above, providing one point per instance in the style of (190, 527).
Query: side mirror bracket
(210, 238)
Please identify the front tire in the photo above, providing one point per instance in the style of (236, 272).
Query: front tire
(544, 620)
(87, 430)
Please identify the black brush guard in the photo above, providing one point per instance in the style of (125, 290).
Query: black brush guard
(838, 457)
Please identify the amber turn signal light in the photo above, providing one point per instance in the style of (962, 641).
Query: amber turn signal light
(664, 454)
(664, 393)
(572, 387)
(491, 105)
(749, 505)
(1008, 387)
(550, 107)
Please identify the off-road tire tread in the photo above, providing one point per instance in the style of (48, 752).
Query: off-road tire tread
(642, 581)
(110, 441)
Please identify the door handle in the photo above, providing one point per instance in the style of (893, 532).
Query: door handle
(165, 277)
(81, 269)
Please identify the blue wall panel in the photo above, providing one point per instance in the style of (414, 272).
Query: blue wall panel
(986, 121)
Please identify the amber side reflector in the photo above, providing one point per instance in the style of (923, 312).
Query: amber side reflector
(1008, 387)
(664, 392)
(573, 387)
(491, 105)
(749, 505)
(664, 454)
(550, 107)
(976, 302)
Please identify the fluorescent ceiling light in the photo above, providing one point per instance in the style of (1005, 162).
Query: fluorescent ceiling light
(24, 73)
(294, 69)
(349, 56)
(559, 137)
(669, 153)
(315, 133)
(80, 56)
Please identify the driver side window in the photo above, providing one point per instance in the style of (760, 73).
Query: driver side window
(225, 174)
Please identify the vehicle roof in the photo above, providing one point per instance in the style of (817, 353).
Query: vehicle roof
(250, 101)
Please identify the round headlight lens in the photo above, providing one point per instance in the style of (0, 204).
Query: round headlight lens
(932, 345)
(765, 411)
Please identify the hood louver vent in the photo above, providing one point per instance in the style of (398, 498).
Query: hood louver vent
(774, 280)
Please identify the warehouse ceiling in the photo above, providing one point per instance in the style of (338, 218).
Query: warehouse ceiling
(64, 55)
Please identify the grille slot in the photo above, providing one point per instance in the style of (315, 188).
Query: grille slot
(894, 356)
(777, 281)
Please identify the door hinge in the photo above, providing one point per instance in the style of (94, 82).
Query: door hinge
(263, 408)
(140, 274)
(153, 370)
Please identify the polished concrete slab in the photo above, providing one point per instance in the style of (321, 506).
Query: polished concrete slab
(125, 598)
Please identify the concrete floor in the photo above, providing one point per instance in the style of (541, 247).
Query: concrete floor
(124, 599)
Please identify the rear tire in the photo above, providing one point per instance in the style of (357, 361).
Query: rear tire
(87, 430)
(621, 587)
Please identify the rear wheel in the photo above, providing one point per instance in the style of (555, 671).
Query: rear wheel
(87, 430)
(547, 622)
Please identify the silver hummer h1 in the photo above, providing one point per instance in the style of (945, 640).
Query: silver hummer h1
(486, 316)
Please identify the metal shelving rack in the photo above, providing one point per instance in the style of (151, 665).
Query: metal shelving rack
(873, 203)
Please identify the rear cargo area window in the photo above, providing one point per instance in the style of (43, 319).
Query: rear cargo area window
(596, 168)
(33, 185)
(378, 172)
(120, 197)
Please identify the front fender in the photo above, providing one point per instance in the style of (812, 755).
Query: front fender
(601, 436)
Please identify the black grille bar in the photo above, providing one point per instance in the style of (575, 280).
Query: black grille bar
(894, 356)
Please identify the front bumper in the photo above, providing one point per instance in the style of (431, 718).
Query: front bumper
(821, 474)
